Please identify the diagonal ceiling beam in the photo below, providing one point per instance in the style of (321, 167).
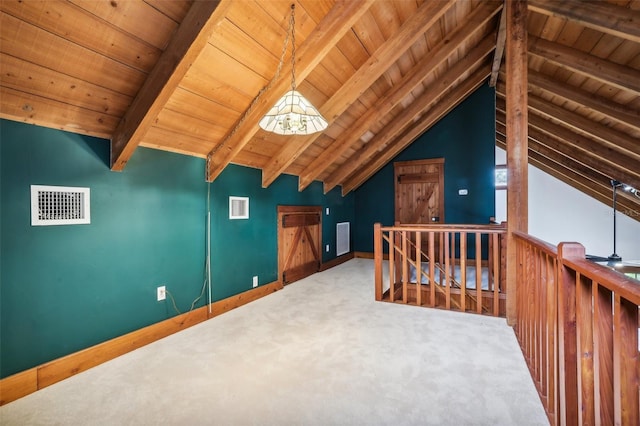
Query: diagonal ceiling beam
(612, 110)
(501, 39)
(479, 17)
(316, 46)
(601, 16)
(580, 161)
(428, 98)
(621, 142)
(191, 37)
(425, 17)
(587, 151)
(431, 117)
(616, 75)
(589, 181)
(592, 187)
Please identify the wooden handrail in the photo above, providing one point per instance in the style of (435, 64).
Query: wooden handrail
(577, 325)
(406, 248)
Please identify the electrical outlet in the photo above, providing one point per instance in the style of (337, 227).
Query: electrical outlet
(162, 293)
(255, 281)
(326, 248)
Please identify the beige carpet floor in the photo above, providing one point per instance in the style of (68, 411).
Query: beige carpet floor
(319, 352)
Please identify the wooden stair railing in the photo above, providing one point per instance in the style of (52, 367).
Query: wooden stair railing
(404, 246)
(577, 324)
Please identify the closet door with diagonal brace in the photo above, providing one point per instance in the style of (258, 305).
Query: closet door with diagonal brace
(299, 242)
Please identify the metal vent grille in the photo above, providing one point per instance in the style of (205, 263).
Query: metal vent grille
(59, 205)
(238, 208)
(342, 238)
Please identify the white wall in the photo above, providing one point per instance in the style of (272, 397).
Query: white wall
(558, 212)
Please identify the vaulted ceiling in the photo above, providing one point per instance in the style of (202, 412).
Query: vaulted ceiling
(195, 77)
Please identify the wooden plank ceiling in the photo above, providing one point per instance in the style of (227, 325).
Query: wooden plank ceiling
(195, 77)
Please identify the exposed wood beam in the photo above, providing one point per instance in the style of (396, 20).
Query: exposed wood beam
(584, 150)
(426, 100)
(183, 49)
(616, 75)
(501, 38)
(480, 16)
(612, 110)
(413, 29)
(619, 141)
(316, 46)
(517, 127)
(597, 190)
(605, 17)
(443, 107)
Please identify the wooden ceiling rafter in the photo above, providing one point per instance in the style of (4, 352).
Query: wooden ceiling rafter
(582, 149)
(336, 23)
(411, 79)
(501, 40)
(610, 109)
(427, 99)
(586, 163)
(389, 52)
(183, 49)
(605, 17)
(616, 75)
(574, 174)
(456, 93)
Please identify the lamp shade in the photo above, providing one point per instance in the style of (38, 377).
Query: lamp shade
(293, 115)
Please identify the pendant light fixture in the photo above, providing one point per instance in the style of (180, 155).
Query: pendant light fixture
(293, 114)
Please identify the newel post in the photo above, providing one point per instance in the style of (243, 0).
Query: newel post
(377, 258)
(567, 335)
(517, 144)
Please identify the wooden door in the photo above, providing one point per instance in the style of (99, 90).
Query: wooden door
(419, 194)
(299, 242)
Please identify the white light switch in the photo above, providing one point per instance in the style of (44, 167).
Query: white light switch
(327, 211)
(463, 192)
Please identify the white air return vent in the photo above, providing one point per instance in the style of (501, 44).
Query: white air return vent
(238, 207)
(342, 238)
(59, 205)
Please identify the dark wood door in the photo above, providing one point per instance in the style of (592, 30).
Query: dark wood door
(419, 194)
(299, 242)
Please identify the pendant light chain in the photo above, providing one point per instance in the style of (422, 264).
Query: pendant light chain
(292, 28)
(290, 33)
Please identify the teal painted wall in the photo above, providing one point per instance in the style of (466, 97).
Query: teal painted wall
(245, 248)
(65, 288)
(466, 139)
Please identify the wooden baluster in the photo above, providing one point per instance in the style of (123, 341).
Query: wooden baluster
(603, 354)
(463, 271)
(378, 256)
(432, 268)
(392, 264)
(584, 327)
(552, 346)
(447, 272)
(625, 362)
(496, 275)
(405, 269)
(419, 268)
(479, 272)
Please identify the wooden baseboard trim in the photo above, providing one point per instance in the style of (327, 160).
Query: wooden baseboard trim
(337, 261)
(225, 305)
(34, 379)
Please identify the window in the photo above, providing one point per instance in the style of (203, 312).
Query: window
(501, 177)
(238, 207)
(59, 205)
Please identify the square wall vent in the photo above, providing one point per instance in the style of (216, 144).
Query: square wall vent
(238, 207)
(59, 205)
